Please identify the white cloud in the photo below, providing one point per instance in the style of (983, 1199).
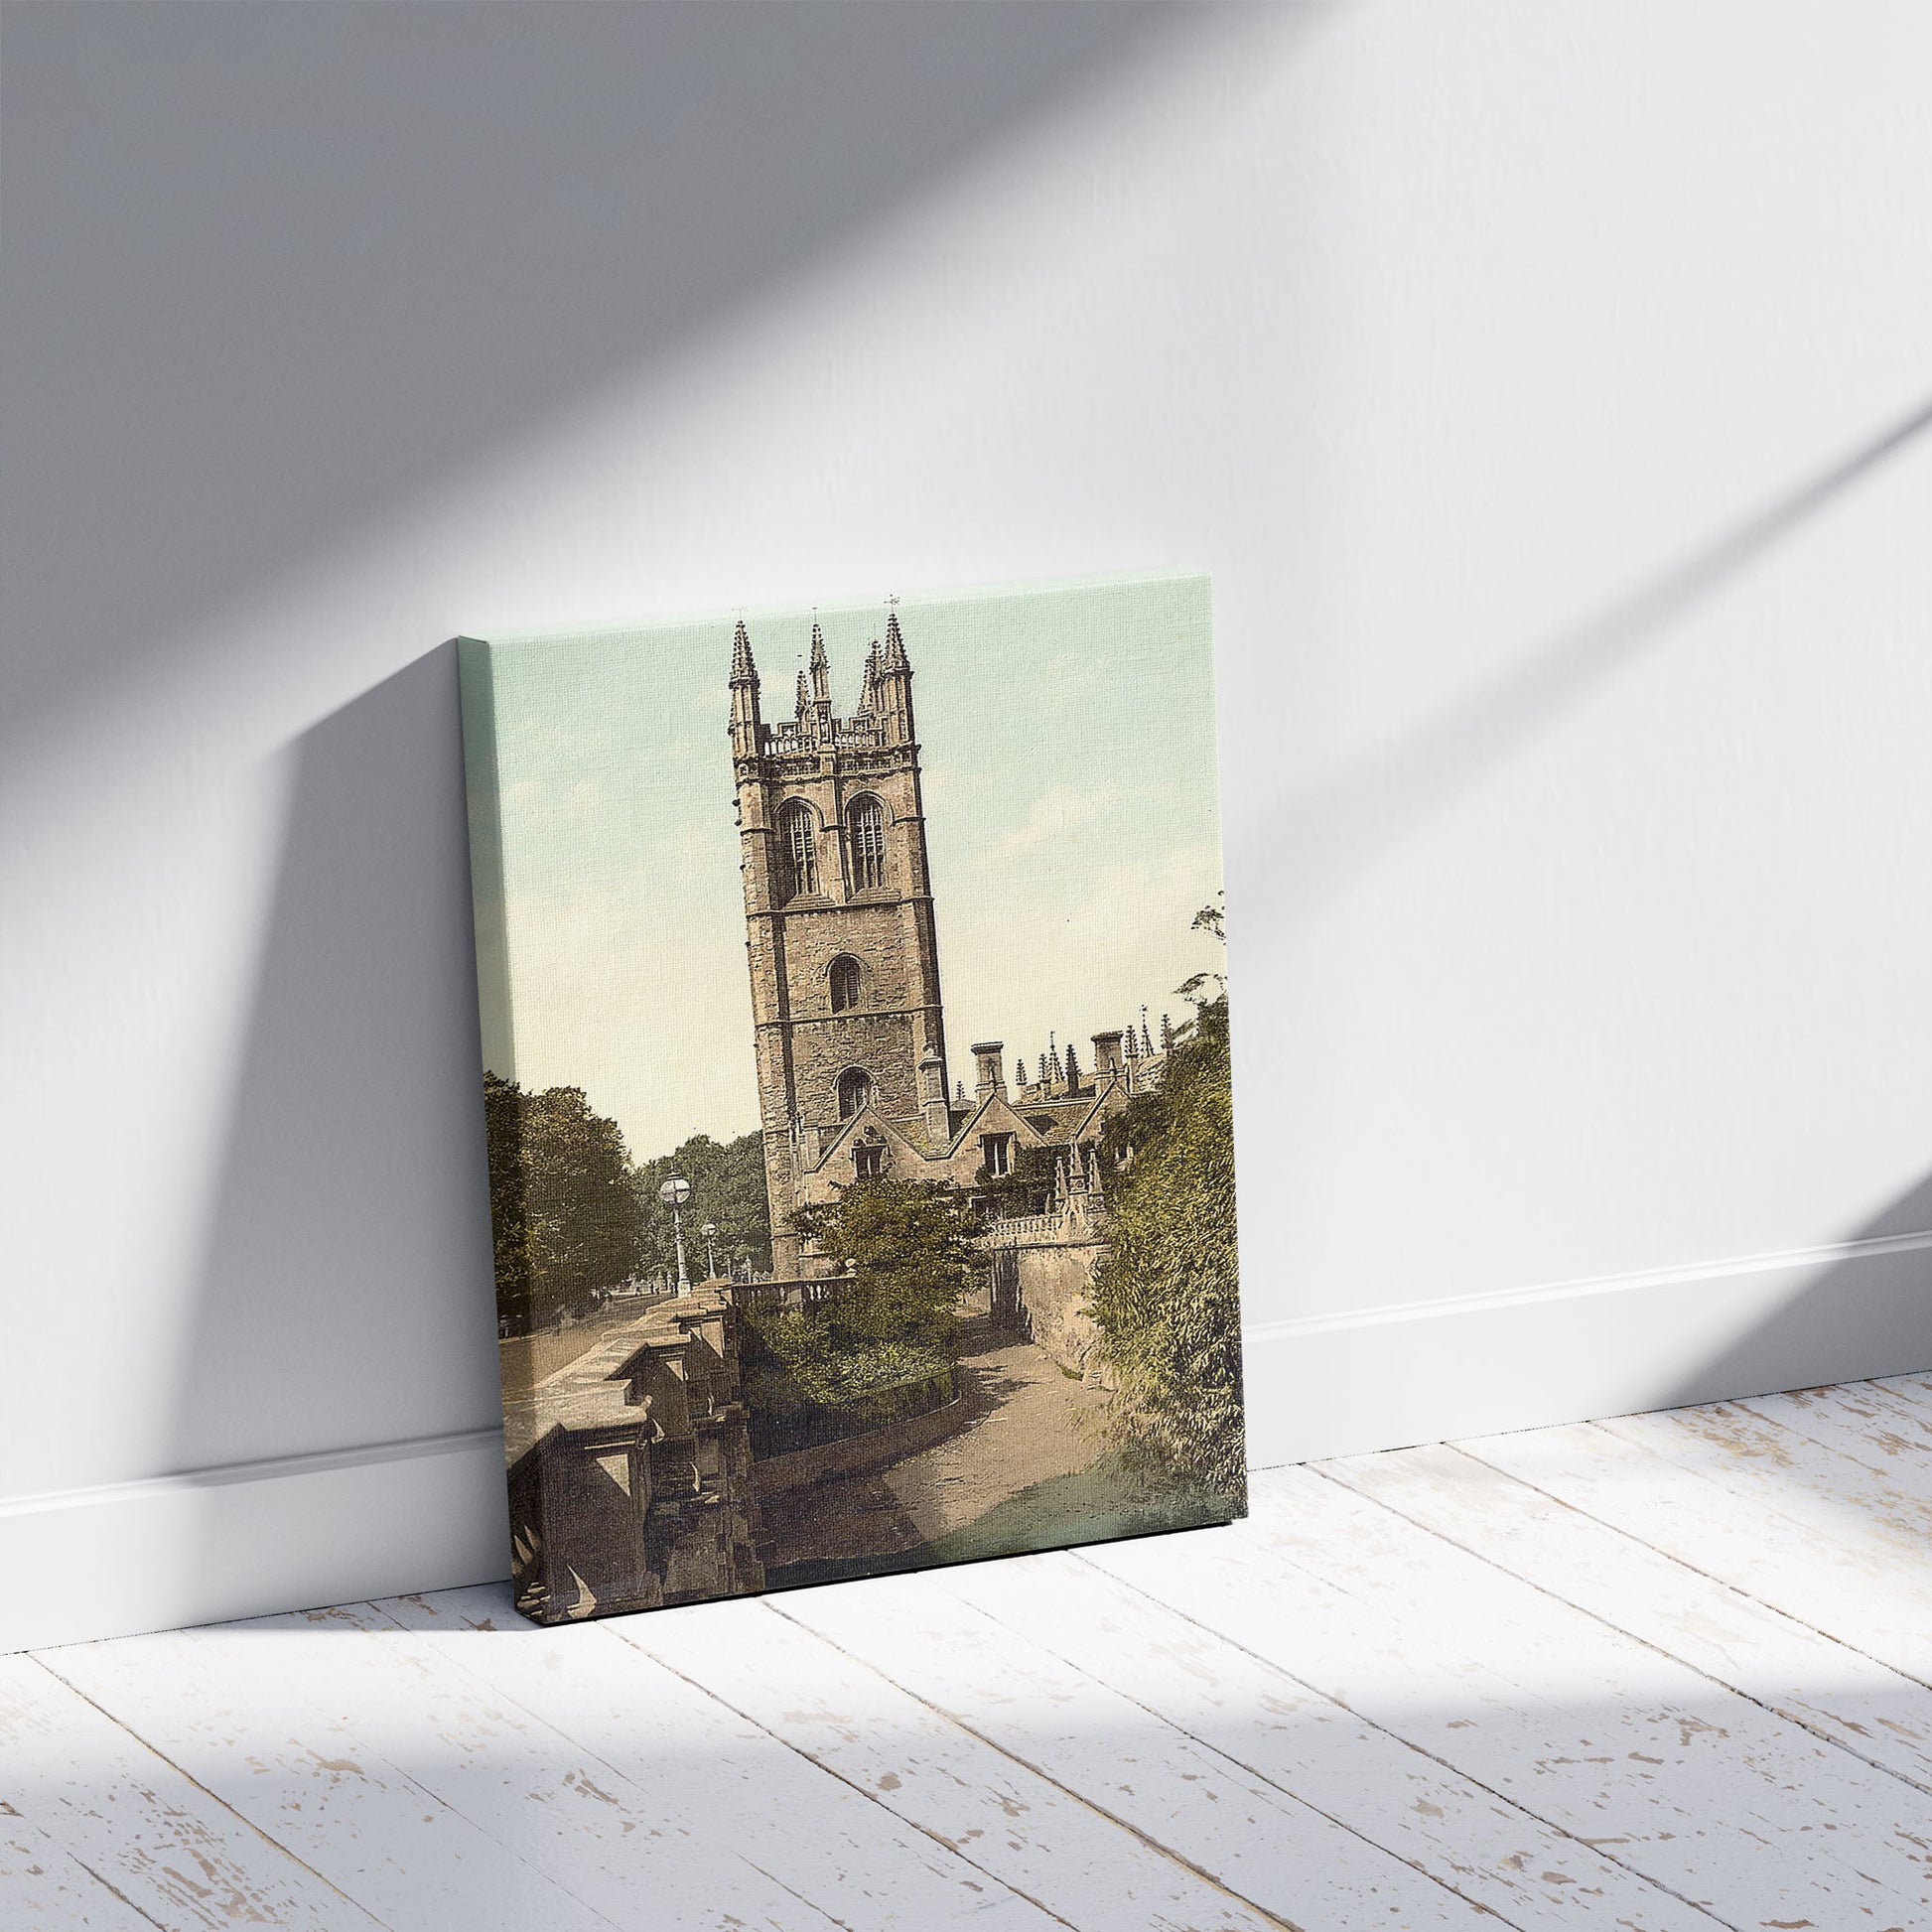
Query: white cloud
(1054, 815)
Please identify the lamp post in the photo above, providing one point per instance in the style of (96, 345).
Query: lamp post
(709, 1232)
(675, 1194)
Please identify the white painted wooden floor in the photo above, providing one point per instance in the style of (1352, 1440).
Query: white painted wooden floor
(1665, 1673)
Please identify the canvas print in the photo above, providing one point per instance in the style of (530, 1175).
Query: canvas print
(855, 1087)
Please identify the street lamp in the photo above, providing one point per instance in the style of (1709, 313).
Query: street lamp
(675, 1194)
(709, 1232)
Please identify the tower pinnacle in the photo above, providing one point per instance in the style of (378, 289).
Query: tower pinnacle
(821, 669)
(893, 687)
(745, 726)
(869, 688)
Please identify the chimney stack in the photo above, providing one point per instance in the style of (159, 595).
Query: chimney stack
(991, 1076)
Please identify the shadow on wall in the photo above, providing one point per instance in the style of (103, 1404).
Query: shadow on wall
(332, 252)
(1341, 826)
(1866, 1313)
(345, 1296)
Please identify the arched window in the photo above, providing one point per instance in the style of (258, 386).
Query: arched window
(866, 827)
(844, 978)
(800, 829)
(854, 1090)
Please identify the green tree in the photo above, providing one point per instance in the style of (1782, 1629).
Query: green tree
(561, 1198)
(1165, 1300)
(902, 1247)
(726, 1188)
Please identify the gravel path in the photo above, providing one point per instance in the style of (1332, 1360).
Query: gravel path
(1027, 1421)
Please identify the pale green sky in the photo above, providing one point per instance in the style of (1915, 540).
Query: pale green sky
(1067, 736)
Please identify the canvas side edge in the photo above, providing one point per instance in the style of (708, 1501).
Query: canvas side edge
(476, 685)
(484, 821)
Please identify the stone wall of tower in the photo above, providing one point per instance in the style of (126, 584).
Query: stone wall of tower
(793, 944)
(802, 1046)
(885, 1034)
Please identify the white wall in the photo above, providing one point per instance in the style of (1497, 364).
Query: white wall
(1543, 386)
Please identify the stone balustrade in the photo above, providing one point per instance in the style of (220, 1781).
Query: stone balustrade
(629, 1470)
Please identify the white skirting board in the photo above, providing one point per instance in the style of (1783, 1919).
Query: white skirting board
(250, 1540)
(1527, 1359)
(428, 1514)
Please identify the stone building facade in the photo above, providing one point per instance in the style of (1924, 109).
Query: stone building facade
(853, 1073)
(630, 1471)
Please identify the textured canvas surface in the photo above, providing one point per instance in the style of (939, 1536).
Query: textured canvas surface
(856, 1049)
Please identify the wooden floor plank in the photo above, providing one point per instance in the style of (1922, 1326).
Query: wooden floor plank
(1836, 1693)
(1281, 1728)
(1659, 1786)
(1915, 1389)
(47, 1888)
(1889, 1435)
(1823, 1575)
(1262, 1844)
(681, 1751)
(1778, 1466)
(1879, 1537)
(152, 1834)
(247, 1713)
(1047, 1844)
(532, 1789)
(1692, 1744)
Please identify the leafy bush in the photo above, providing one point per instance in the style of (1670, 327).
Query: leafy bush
(1165, 1300)
(903, 1248)
(789, 1418)
(807, 1374)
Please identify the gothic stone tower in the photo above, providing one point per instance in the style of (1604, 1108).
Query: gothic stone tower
(838, 910)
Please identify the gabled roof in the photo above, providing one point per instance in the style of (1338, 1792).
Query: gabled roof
(1093, 1113)
(997, 1109)
(994, 1113)
(1074, 1113)
(868, 1115)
